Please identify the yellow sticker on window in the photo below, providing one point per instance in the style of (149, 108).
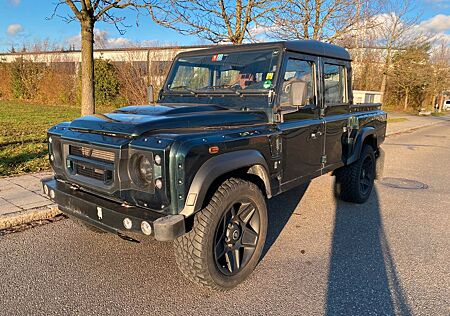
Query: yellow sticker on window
(269, 76)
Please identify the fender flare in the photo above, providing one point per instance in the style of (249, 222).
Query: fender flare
(220, 165)
(365, 132)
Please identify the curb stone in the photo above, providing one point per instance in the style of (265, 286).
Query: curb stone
(26, 216)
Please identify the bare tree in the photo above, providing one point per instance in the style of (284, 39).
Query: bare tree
(214, 20)
(440, 82)
(325, 20)
(88, 12)
(410, 75)
(396, 30)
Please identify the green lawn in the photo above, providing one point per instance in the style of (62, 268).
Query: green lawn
(396, 119)
(23, 129)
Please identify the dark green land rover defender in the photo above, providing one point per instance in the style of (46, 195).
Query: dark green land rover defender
(232, 127)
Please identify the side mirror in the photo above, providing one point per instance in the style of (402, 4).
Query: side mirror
(150, 96)
(298, 93)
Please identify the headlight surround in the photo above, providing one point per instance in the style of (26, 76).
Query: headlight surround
(141, 169)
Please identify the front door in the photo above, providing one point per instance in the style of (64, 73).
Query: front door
(303, 131)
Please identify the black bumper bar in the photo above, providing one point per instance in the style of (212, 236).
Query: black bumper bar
(108, 215)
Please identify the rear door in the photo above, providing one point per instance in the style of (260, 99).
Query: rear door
(302, 128)
(335, 83)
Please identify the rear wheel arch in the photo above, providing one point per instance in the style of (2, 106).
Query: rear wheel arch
(366, 135)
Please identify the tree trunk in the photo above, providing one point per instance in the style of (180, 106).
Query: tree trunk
(406, 99)
(441, 102)
(433, 103)
(383, 87)
(87, 68)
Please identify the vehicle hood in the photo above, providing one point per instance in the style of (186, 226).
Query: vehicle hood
(137, 120)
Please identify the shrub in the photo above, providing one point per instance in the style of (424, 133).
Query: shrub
(106, 83)
(25, 77)
(5, 81)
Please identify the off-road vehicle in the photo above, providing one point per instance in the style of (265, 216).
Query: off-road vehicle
(233, 126)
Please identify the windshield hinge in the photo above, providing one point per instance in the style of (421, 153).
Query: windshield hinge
(271, 96)
(323, 159)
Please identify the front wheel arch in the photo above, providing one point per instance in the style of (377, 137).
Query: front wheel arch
(243, 163)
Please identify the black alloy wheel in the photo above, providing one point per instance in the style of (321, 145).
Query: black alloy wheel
(367, 175)
(236, 237)
(227, 238)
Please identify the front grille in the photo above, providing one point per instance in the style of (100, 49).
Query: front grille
(93, 163)
(95, 173)
(96, 154)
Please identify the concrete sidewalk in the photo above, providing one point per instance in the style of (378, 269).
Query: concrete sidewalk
(22, 200)
(412, 122)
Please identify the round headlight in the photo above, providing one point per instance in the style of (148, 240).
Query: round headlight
(145, 169)
(158, 159)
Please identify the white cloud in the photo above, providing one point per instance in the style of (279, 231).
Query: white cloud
(438, 23)
(438, 4)
(13, 29)
(102, 40)
(15, 2)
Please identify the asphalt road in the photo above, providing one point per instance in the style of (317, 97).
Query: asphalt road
(389, 256)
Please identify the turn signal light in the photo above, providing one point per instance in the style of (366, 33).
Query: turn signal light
(213, 149)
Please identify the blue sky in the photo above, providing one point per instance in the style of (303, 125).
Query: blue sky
(26, 21)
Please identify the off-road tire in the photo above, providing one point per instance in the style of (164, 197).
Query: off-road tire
(86, 225)
(194, 250)
(347, 186)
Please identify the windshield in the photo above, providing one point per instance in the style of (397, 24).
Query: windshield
(235, 72)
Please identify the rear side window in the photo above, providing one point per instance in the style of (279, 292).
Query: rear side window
(335, 84)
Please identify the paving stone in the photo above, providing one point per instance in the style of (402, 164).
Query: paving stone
(27, 181)
(8, 208)
(29, 198)
(4, 183)
(13, 191)
(37, 204)
(42, 175)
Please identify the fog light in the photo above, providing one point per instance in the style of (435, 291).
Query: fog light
(158, 159)
(158, 183)
(46, 189)
(127, 223)
(146, 228)
(52, 194)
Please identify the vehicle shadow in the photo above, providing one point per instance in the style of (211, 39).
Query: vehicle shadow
(362, 277)
(279, 210)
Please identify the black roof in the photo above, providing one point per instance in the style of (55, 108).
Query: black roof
(317, 48)
(311, 47)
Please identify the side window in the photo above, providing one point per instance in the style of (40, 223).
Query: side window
(335, 84)
(298, 83)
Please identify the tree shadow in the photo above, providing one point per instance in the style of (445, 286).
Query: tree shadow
(279, 210)
(362, 277)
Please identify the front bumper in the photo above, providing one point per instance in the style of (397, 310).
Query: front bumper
(108, 215)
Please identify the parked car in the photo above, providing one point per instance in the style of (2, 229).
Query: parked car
(233, 127)
(446, 105)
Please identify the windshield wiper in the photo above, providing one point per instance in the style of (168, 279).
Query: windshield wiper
(224, 86)
(191, 91)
